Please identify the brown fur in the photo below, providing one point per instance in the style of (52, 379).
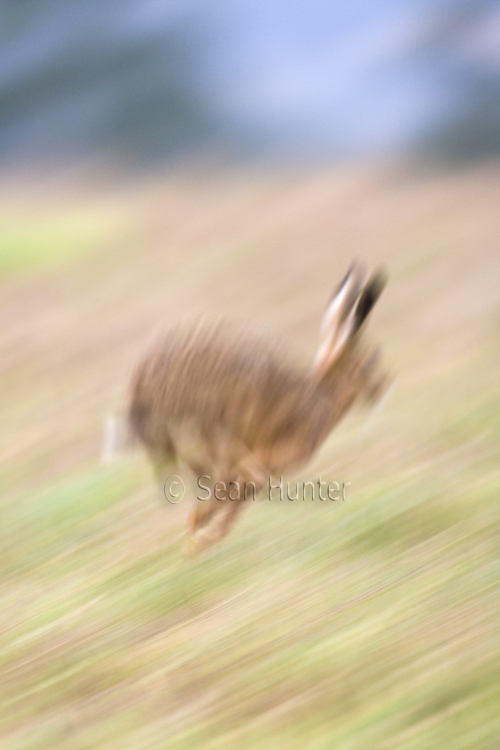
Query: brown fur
(232, 407)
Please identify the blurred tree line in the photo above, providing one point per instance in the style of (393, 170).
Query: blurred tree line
(95, 77)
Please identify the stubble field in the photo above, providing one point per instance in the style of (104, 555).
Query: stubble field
(370, 622)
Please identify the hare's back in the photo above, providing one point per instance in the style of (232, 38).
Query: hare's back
(217, 375)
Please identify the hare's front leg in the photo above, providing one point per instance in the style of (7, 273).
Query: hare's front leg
(208, 525)
(212, 519)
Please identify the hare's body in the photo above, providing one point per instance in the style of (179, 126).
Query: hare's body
(232, 407)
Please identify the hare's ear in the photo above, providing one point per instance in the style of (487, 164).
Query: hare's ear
(342, 301)
(337, 324)
(370, 294)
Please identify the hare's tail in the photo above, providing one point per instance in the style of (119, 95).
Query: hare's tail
(118, 437)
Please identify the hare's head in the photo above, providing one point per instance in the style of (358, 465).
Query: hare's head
(344, 359)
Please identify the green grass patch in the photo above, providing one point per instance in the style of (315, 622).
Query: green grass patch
(45, 243)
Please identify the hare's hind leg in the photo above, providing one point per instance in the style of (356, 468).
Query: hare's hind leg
(164, 463)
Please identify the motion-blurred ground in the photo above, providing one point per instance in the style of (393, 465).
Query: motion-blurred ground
(369, 623)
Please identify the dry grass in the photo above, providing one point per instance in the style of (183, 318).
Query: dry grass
(314, 625)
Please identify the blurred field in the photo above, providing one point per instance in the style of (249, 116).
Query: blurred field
(375, 622)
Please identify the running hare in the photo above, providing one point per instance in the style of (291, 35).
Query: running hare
(230, 406)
